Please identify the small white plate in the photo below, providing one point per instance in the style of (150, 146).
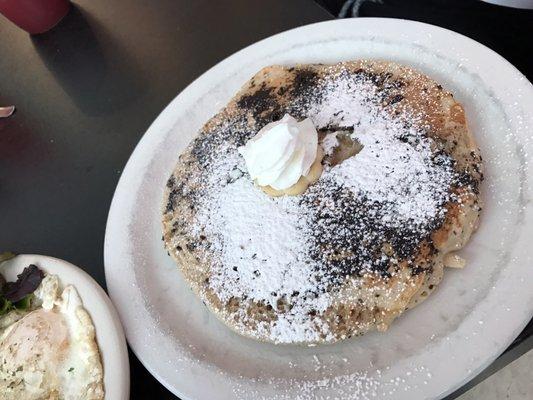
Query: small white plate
(109, 333)
(431, 350)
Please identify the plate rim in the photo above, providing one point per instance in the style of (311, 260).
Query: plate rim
(163, 122)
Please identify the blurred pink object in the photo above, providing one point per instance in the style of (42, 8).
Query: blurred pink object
(7, 111)
(34, 16)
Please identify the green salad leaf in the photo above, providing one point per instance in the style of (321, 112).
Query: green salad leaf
(5, 306)
(25, 303)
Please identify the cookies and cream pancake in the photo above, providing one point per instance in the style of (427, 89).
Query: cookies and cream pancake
(398, 194)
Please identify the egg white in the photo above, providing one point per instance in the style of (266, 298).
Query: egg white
(51, 351)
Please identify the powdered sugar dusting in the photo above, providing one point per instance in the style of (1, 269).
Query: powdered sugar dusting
(398, 174)
(329, 143)
(262, 242)
(395, 165)
(285, 256)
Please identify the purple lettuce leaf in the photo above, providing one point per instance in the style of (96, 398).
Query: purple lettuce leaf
(26, 283)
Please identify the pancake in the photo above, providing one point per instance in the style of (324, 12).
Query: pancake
(399, 193)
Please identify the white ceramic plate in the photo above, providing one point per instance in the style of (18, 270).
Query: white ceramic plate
(109, 333)
(512, 3)
(430, 351)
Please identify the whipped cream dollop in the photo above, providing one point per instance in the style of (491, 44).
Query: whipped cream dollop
(281, 152)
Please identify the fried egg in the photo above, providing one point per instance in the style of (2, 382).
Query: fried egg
(50, 353)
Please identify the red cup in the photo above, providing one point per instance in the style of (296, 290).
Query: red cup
(34, 16)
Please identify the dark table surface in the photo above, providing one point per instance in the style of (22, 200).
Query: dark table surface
(85, 94)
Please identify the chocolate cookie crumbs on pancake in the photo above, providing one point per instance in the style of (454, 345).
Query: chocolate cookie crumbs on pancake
(398, 194)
